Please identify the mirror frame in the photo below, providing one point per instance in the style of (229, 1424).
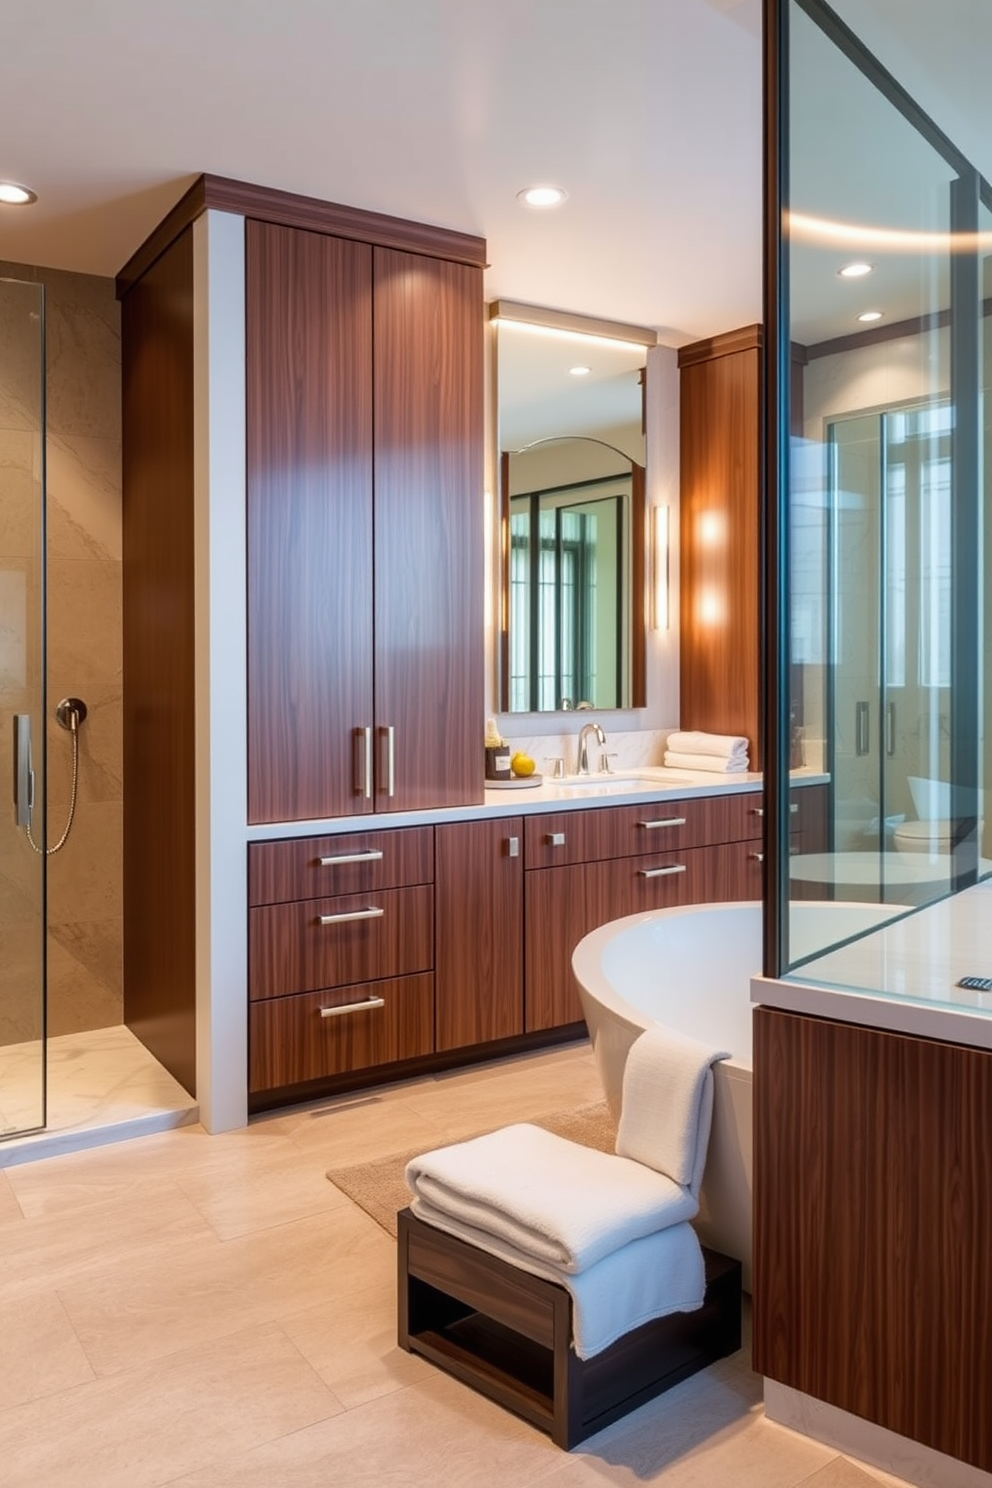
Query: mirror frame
(610, 330)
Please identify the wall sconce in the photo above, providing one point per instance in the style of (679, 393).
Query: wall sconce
(660, 545)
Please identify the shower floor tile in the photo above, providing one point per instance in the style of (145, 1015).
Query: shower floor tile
(103, 1086)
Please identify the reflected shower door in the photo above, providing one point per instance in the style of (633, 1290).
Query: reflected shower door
(22, 707)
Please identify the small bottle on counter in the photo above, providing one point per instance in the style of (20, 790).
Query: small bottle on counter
(497, 753)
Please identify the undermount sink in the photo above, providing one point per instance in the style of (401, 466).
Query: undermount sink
(625, 779)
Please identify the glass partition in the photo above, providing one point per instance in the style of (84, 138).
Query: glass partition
(878, 368)
(22, 707)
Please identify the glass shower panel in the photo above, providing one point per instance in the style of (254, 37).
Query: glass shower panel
(22, 707)
(872, 205)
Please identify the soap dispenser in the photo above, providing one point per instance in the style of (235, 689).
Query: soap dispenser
(497, 753)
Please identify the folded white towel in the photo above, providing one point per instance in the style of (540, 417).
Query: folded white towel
(647, 1278)
(667, 1105)
(724, 746)
(708, 763)
(562, 1204)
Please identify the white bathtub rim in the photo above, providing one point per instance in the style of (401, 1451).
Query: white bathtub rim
(587, 966)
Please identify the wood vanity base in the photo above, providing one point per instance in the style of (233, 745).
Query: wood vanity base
(508, 1335)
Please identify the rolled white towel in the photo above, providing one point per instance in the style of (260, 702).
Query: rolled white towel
(711, 764)
(724, 746)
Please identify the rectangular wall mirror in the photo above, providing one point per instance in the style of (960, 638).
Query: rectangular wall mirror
(570, 394)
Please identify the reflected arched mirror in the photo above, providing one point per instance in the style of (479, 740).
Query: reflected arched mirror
(572, 502)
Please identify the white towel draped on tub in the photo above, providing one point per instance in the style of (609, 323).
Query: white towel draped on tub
(711, 764)
(722, 746)
(561, 1204)
(667, 1105)
(649, 1278)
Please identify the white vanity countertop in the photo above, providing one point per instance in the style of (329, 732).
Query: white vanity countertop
(624, 788)
(902, 978)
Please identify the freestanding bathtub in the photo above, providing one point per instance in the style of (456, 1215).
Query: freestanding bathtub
(689, 969)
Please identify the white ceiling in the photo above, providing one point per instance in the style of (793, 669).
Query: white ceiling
(646, 111)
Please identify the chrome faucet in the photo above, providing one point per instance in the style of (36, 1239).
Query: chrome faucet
(582, 768)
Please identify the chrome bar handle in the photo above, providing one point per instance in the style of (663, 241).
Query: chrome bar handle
(661, 872)
(353, 1007)
(355, 914)
(756, 857)
(23, 773)
(668, 821)
(554, 839)
(862, 727)
(760, 810)
(373, 856)
(890, 728)
(365, 783)
(390, 734)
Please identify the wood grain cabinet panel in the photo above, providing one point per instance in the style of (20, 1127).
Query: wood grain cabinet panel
(720, 533)
(309, 393)
(555, 839)
(429, 642)
(873, 1210)
(315, 943)
(291, 1040)
(479, 920)
(352, 863)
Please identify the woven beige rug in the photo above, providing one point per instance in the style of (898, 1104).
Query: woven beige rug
(379, 1189)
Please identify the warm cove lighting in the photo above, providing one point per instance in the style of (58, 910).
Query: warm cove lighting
(855, 270)
(660, 605)
(542, 196)
(869, 316)
(12, 194)
(861, 236)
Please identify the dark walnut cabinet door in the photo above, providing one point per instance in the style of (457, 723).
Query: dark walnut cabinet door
(479, 953)
(429, 643)
(309, 453)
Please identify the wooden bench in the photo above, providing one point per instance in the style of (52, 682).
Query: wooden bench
(509, 1334)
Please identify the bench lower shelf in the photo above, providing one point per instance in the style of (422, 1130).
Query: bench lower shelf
(508, 1334)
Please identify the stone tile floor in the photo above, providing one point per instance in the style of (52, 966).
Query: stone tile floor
(181, 1309)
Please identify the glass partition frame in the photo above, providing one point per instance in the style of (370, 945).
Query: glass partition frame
(969, 205)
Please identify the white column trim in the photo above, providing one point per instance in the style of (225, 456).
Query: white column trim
(221, 671)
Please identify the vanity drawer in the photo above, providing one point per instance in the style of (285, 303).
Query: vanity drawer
(354, 863)
(562, 838)
(294, 1039)
(318, 943)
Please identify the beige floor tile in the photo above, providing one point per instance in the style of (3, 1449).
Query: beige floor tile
(40, 1353)
(127, 1170)
(154, 1424)
(702, 1434)
(277, 1188)
(10, 1209)
(843, 1473)
(352, 1345)
(56, 1251)
(354, 1133)
(208, 1289)
(427, 1436)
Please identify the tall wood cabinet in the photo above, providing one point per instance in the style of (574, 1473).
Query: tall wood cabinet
(363, 509)
(364, 527)
(720, 536)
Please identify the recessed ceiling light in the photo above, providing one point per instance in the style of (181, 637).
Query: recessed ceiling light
(855, 270)
(579, 371)
(542, 196)
(871, 315)
(12, 194)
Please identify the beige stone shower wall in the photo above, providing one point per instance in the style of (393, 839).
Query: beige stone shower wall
(84, 644)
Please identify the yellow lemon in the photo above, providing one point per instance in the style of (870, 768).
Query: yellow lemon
(522, 764)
